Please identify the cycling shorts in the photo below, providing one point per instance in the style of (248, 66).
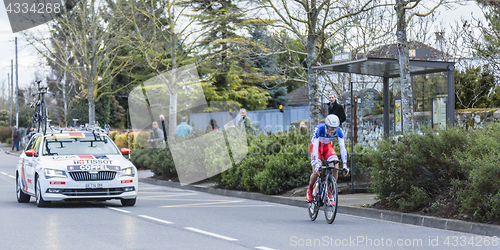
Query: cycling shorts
(324, 149)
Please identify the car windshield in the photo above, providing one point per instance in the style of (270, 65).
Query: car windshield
(79, 146)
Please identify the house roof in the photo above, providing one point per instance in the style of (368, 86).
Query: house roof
(298, 97)
(390, 51)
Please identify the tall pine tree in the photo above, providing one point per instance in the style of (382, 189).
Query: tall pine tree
(226, 59)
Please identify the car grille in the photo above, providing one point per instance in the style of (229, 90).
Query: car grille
(92, 192)
(86, 176)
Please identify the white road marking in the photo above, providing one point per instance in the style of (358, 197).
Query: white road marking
(211, 234)
(13, 177)
(155, 219)
(264, 248)
(119, 210)
(3, 173)
(198, 204)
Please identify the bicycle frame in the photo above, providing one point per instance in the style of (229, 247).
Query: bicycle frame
(321, 196)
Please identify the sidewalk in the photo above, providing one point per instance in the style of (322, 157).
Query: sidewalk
(7, 148)
(348, 204)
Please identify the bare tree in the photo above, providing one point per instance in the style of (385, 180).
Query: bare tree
(314, 22)
(86, 35)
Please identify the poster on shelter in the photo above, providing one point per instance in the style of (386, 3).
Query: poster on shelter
(439, 113)
(397, 116)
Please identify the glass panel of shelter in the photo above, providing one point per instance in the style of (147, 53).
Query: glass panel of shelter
(365, 125)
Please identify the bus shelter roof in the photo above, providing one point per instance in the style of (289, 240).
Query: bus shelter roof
(386, 67)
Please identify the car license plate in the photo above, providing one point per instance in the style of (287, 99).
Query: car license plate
(93, 185)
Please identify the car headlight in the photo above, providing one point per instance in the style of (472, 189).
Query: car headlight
(52, 173)
(127, 172)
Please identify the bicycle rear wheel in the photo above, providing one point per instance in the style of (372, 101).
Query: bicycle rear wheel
(36, 122)
(331, 204)
(314, 207)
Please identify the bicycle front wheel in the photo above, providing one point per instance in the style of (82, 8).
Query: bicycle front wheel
(314, 207)
(331, 200)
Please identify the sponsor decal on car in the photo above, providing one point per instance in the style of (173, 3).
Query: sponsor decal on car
(89, 167)
(93, 161)
(64, 157)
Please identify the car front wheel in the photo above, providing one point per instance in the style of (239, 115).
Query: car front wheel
(40, 202)
(128, 202)
(21, 196)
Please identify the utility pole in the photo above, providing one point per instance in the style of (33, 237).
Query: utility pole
(9, 99)
(17, 90)
(11, 89)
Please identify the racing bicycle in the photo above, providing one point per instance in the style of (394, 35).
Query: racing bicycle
(40, 116)
(320, 196)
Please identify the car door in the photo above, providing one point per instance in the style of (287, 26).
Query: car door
(30, 163)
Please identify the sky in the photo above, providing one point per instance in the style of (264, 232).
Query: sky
(29, 63)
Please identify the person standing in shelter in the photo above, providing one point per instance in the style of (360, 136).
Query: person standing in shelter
(183, 128)
(336, 109)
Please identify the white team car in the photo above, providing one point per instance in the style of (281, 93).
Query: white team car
(75, 166)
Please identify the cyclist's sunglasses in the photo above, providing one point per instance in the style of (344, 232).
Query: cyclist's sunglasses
(331, 128)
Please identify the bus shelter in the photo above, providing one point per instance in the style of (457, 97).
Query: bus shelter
(374, 112)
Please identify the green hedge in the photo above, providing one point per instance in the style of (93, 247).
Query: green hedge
(6, 134)
(453, 169)
(272, 163)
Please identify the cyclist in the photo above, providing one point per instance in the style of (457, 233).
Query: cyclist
(321, 144)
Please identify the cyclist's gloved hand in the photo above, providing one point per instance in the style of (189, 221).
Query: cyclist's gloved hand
(346, 169)
(317, 167)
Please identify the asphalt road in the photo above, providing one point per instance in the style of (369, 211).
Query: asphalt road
(169, 218)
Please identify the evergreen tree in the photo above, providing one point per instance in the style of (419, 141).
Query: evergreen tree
(473, 87)
(227, 61)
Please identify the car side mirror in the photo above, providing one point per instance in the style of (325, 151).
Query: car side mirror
(30, 153)
(126, 151)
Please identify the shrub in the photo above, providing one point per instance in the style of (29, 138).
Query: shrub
(140, 139)
(142, 158)
(276, 162)
(121, 140)
(112, 134)
(479, 192)
(454, 170)
(161, 162)
(6, 134)
(417, 198)
(427, 162)
(284, 171)
(130, 140)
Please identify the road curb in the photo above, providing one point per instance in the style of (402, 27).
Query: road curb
(412, 219)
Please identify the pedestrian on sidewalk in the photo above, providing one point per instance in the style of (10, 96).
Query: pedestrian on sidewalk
(184, 128)
(155, 137)
(16, 138)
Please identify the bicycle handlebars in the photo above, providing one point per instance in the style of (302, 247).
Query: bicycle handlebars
(333, 166)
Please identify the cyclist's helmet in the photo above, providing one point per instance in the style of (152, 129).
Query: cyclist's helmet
(332, 121)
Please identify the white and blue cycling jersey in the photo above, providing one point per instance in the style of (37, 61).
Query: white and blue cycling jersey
(321, 137)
